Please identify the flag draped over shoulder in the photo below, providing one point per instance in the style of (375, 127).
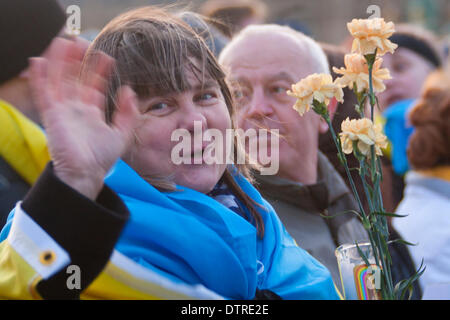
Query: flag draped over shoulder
(189, 237)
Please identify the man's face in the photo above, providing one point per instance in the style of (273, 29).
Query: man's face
(261, 69)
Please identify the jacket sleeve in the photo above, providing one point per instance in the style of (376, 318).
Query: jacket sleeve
(53, 228)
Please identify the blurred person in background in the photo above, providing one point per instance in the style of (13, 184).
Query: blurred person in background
(233, 15)
(417, 55)
(263, 62)
(27, 29)
(214, 38)
(427, 192)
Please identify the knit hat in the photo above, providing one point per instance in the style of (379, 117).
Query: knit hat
(26, 30)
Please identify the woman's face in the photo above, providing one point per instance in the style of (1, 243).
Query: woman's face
(408, 71)
(151, 153)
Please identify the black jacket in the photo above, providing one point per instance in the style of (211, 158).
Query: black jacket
(12, 189)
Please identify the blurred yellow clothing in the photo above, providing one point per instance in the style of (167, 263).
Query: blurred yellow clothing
(441, 172)
(22, 143)
(380, 120)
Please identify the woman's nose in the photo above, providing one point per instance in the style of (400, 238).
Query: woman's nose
(193, 119)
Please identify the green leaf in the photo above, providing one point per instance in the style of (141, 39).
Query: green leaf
(377, 104)
(362, 255)
(341, 213)
(390, 214)
(379, 168)
(403, 242)
(407, 285)
(366, 224)
(399, 289)
(358, 108)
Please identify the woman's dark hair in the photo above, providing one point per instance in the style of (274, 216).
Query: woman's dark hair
(429, 145)
(154, 51)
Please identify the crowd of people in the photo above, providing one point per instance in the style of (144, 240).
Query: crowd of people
(87, 176)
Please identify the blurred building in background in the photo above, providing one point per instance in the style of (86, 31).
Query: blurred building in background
(324, 20)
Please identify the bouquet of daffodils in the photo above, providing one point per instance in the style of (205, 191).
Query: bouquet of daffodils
(362, 74)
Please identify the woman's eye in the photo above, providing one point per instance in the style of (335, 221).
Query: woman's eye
(159, 108)
(206, 96)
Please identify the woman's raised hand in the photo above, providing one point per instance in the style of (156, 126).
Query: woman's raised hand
(82, 145)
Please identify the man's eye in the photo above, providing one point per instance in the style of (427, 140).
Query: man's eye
(279, 89)
(238, 94)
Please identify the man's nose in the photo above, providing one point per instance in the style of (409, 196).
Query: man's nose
(259, 106)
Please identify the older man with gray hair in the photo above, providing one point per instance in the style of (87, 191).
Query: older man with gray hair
(263, 61)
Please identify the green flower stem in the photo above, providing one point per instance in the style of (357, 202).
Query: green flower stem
(370, 59)
(378, 196)
(361, 97)
(375, 240)
(362, 175)
(377, 200)
(344, 162)
(386, 267)
(371, 94)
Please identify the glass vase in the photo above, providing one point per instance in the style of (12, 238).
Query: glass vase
(359, 281)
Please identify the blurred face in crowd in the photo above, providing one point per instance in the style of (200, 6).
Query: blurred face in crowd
(161, 115)
(408, 71)
(262, 67)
